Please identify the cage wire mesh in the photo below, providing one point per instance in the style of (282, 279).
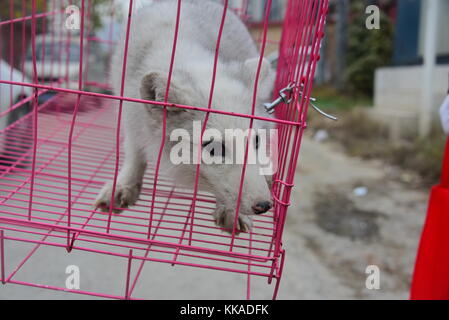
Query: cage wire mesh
(60, 140)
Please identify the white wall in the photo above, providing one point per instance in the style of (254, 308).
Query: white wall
(399, 89)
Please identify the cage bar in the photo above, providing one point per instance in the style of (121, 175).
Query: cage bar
(56, 150)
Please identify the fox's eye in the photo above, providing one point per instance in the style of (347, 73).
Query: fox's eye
(214, 148)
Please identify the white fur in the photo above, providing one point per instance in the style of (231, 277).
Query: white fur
(150, 49)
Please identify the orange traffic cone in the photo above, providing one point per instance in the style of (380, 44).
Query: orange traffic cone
(431, 275)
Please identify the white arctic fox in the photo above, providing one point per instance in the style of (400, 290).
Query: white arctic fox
(150, 49)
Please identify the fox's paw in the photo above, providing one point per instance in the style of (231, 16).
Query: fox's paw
(225, 218)
(125, 195)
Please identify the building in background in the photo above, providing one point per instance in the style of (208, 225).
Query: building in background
(408, 93)
(254, 10)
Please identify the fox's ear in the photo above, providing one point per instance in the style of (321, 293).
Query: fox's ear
(266, 77)
(153, 87)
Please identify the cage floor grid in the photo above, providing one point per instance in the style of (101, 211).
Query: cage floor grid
(45, 220)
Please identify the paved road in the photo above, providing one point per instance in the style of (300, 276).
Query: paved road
(323, 262)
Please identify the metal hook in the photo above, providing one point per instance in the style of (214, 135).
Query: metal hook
(269, 107)
(317, 109)
(327, 115)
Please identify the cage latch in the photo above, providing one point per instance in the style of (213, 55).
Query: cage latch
(284, 96)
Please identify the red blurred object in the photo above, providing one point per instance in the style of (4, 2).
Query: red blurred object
(431, 276)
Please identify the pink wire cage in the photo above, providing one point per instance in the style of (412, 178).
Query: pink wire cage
(56, 156)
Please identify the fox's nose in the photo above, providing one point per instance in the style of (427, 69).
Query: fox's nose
(262, 207)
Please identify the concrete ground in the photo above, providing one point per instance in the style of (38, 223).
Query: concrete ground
(331, 236)
(340, 234)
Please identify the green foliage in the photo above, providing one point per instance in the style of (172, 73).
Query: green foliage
(331, 99)
(5, 7)
(367, 49)
(96, 14)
